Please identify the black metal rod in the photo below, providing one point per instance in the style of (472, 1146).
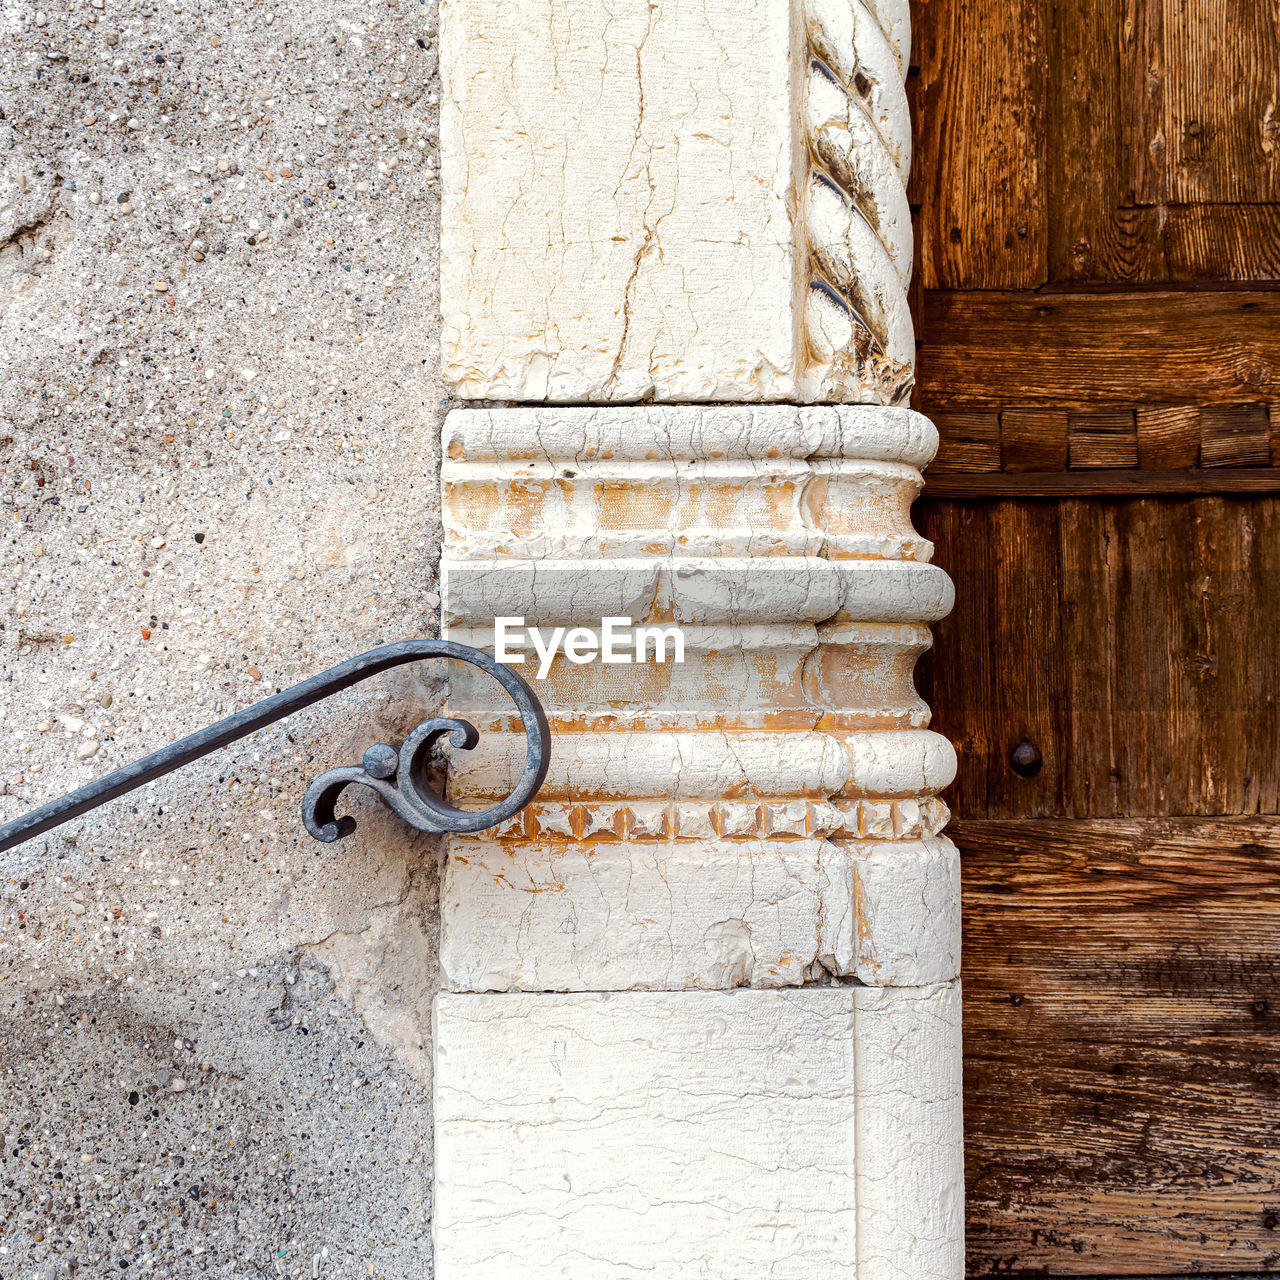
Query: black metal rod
(285, 703)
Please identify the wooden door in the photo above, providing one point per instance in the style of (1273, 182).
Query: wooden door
(1097, 193)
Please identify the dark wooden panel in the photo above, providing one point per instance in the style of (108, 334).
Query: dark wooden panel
(1235, 435)
(1102, 438)
(967, 442)
(978, 107)
(1003, 557)
(1116, 348)
(1241, 619)
(1122, 1046)
(1135, 642)
(1125, 483)
(1179, 442)
(1095, 233)
(1213, 135)
(1033, 439)
(1101, 141)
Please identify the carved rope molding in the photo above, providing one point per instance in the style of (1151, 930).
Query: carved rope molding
(585, 192)
(716, 965)
(857, 131)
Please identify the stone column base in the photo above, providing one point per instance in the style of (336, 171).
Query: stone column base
(702, 1015)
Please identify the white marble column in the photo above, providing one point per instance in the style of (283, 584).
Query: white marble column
(701, 1013)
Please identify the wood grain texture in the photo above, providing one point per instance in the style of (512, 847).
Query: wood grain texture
(1217, 90)
(967, 442)
(994, 676)
(1122, 483)
(1235, 435)
(1122, 1035)
(1219, 242)
(1033, 439)
(1168, 436)
(978, 110)
(1117, 563)
(1133, 641)
(1095, 231)
(1102, 141)
(1171, 441)
(1114, 348)
(1163, 141)
(1102, 438)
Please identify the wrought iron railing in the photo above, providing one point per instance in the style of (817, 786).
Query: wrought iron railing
(397, 774)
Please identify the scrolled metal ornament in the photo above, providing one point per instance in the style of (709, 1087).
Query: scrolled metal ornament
(397, 775)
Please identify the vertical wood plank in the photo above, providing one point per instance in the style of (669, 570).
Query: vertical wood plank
(980, 140)
(1144, 661)
(1143, 146)
(1258, 618)
(1221, 98)
(1236, 554)
(995, 677)
(1088, 555)
(1091, 236)
(1161, 661)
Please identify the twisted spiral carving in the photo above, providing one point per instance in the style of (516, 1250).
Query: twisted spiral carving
(857, 222)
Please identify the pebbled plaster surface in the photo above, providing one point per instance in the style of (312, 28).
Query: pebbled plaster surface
(207, 491)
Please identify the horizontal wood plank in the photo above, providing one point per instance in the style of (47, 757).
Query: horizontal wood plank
(985, 348)
(1219, 242)
(1122, 1046)
(1121, 483)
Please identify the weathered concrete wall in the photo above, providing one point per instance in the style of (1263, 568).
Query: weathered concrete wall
(219, 408)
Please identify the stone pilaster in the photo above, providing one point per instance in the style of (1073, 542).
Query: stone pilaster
(676, 201)
(701, 1012)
